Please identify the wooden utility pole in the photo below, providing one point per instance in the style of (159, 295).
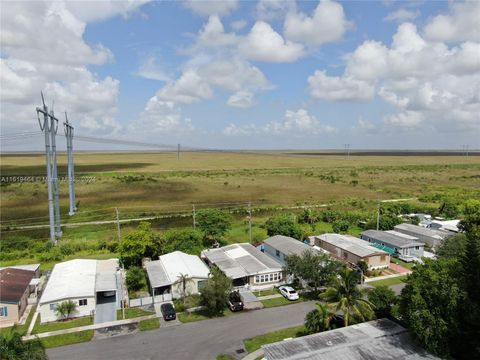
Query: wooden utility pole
(118, 226)
(193, 212)
(250, 220)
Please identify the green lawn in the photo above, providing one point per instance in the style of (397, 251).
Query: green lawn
(149, 324)
(403, 263)
(225, 357)
(186, 317)
(280, 301)
(131, 313)
(67, 339)
(266, 292)
(389, 282)
(60, 325)
(255, 343)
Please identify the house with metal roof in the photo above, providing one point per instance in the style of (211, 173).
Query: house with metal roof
(279, 247)
(246, 266)
(394, 242)
(377, 339)
(165, 273)
(14, 293)
(350, 249)
(96, 286)
(431, 237)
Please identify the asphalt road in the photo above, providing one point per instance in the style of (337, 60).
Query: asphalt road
(202, 340)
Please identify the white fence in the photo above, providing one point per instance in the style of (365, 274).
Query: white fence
(149, 300)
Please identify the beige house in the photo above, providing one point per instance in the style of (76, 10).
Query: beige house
(352, 250)
(14, 292)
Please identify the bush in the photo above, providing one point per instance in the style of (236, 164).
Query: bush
(135, 278)
(340, 226)
(284, 224)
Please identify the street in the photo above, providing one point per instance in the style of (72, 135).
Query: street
(198, 340)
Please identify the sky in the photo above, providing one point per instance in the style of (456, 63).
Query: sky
(246, 74)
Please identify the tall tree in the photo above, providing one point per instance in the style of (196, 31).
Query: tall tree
(382, 299)
(135, 278)
(318, 319)
(140, 243)
(188, 241)
(313, 267)
(214, 223)
(215, 293)
(344, 295)
(284, 224)
(431, 304)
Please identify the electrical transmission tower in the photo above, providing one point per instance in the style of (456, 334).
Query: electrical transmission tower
(49, 125)
(71, 181)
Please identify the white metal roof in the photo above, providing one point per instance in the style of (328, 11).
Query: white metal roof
(240, 260)
(169, 267)
(351, 244)
(71, 279)
(80, 278)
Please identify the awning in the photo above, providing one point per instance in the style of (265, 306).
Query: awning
(385, 248)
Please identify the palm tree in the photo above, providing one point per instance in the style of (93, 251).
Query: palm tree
(184, 280)
(319, 319)
(345, 296)
(13, 348)
(66, 309)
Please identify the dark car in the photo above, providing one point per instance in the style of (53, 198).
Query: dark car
(235, 302)
(168, 311)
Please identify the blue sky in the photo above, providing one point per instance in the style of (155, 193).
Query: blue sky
(266, 74)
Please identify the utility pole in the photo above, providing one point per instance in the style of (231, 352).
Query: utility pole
(178, 152)
(56, 195)
(378, 215)
(71, 181)
(194, 214)
(347, 151)
(119, 234)
(45, 127)
(250, 220)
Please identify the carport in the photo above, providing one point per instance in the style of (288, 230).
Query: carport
(106, 297)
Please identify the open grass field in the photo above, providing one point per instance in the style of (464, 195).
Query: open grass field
(157, 184)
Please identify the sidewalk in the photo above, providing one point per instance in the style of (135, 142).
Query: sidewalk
(254, 355)
(267, 297)
(373, 279)
(89, 327)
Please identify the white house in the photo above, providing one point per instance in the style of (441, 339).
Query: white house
(84, 282)
(164, 274)
(246, 266)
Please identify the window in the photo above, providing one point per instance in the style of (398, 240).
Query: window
(4, 311)
(417, 247)
(257, 279)
(275, 277)
(201, 284)
(345, 255)
(271, 277)
(53, 307)
(277, 253)
(279, 276)
(382, 258)
(82, 302)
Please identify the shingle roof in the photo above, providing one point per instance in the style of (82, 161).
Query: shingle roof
(168, 268)
(287, 245)
(351, 244)
(377, 339)
(392, 237)
(13, 283)
(240, 260)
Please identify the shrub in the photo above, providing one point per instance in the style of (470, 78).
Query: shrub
(135, 278)
(340, 226)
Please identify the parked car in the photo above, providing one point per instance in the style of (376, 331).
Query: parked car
(168, 311)
(235, 302)
(288, 292)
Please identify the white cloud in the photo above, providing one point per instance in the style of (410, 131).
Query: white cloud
(213, 34)
(44, 50)
(161, 117)
(187, 89)
(243, 130)
(238, 24)
(88, 11)
(336, 88)
(149, 69)
(405, 120)
(402, 15)
(268, 10)
(327, 24)
(206, 7)
(241, 99)
(298, 122)
(265, 44)
(461, 24)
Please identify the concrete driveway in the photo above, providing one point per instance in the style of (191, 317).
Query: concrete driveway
(202, 340)
(106, 309)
